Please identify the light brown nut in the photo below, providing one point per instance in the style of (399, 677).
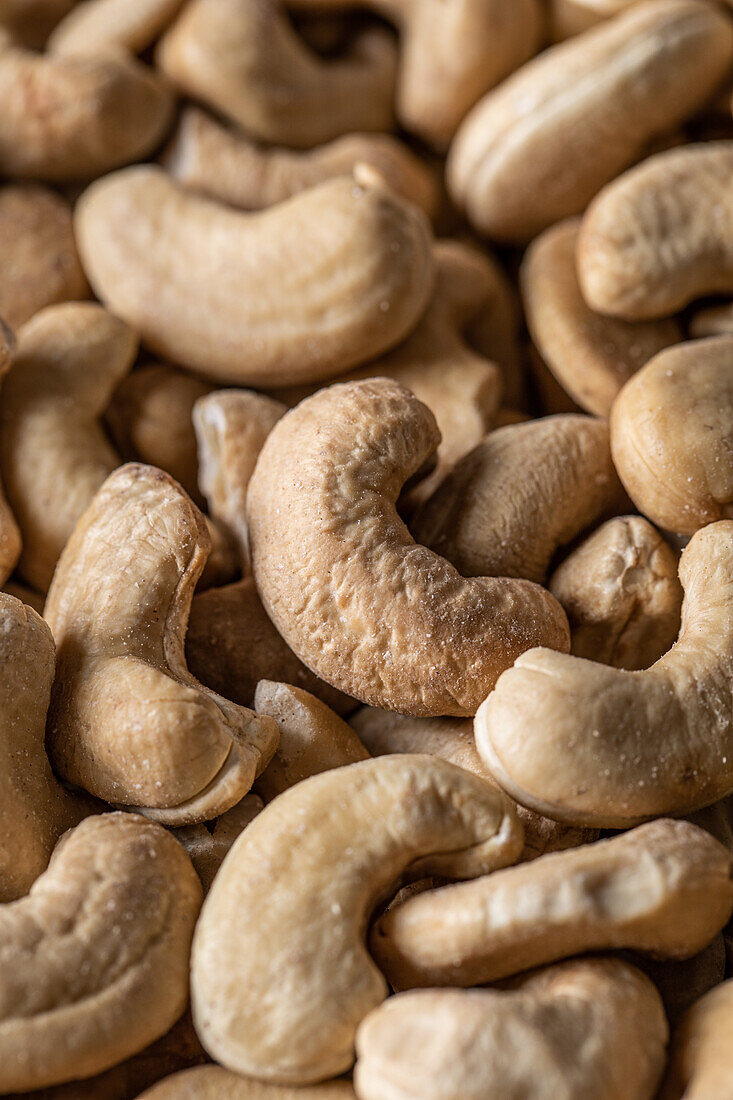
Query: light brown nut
(94, 961)
(330, 847)
(660, 236)
(31, 21)
(207, 847)
(671, 431)
(591, 356)
(73, 118)
(539, 147)
(94, 26)
(228, 166)
(520, 494)
(586, 1028)
(244, 59)
(681, 982)
(595, 745)
(313, 739)
(128, 722)
(621, 594)
(54, 453)
(712, 321)
(215, 1083)
(571, 17)
(10, 541)
(664, 888)
(699, 1066)
(363, 605)
(40, 263)
(229, 295)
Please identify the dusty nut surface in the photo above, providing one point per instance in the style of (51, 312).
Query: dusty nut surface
(401, 629)
(215, 1083)
(699, 1065)
(580, 1029)
(331, 847)
(664, 888)
(670, 435)
(224, 294)
(94, 961)
(128, 721)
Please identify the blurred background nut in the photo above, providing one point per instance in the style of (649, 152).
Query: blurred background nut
(570, 17)
(699, 1066)
(30, 21)
(96, 26)
(712, 321)
(215, 1083)
(207, 844)
(10, 540)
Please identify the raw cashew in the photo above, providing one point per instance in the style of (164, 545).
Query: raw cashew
(363, 605)
(215, 1083)
(665, 888)
(587, 1028)
(54, 453)
(699, 1066)
(281, 997)
(539, 147)
(313, 739)
(10, 541)
(207, 848)
(671, 429)
(228, 166)
(621, 594)
(40, 263)
(73, 118)
(297, 293)
(244, 59)
(713, 321)
(94, 961)
(591, 356)
(521, 493)
(94, 26)
(128, 722)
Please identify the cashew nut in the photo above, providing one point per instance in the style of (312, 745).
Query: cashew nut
(539, 147)
(365, 607)
(207, 848)
(94, 26)
(10, 541)
(128, 722)
(215, 1083)
(281, 998)
(228, 294)
(699, 1066)
(94, 961)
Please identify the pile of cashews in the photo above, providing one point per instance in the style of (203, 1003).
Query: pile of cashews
(366, 549)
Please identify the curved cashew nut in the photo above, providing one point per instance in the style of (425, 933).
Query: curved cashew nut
(94, 26)
(331, 847)
(54, 453)
(580, 1029)
(225, 165)
(10, 541)
(699, 1066)
(228, 295)
(244, 59)
(94, 961)
(591, 356)
(681, 197)
(207, 849)
(532, 152)
(671, 435)
(521, 493)
(40, 263)
(621, 594)
(128, 722)
(215, 1083)
(596, 745)
(665, 888)
(363, 605)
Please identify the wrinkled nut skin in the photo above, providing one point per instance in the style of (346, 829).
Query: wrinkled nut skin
(94, 961)
(664, 888)
(330, 847)
(621, 594)
(587, 1028)
(10, 539)
(541, 146)
(215, 1083)
(671, 429)
(520, 494)
(95, 26)
(594, 745)
(590, 355)
(128, 722)
(362, 605)
(699, 1065)
(285, 296)
(661, 235)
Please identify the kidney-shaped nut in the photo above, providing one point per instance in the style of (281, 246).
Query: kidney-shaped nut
(591, 356)
(664, 888)
(94, 961)
(244, 59)
(699, 1065)
(128, 722)
(590, 744)
(587, 1028)
(328, 279)
(280, 998)
(661, 235)
(215, 1083)
(539, 147)
(369, 610)
(10, 543)
(671, 429)
(621, 594)
(96, 26)
(519, 495)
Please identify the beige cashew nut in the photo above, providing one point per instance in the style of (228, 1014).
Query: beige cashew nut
(95, 26)
(699, 1066)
